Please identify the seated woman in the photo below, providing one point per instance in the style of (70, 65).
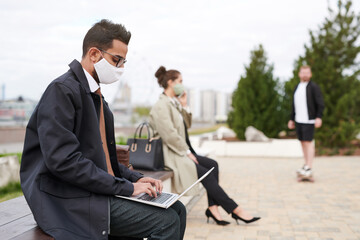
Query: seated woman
(170, 118)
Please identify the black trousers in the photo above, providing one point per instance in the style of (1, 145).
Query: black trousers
(216, 195)
(128, 218)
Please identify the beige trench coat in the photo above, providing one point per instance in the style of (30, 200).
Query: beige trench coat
(167, 122)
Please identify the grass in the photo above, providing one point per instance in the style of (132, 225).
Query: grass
(199, 131)
(121, 141)
(19, 155)
(12, 190)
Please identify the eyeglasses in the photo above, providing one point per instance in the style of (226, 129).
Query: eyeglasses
(120, 60)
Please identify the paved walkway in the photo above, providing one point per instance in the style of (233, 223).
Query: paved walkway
(324, 210)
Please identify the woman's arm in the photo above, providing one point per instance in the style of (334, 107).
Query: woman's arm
(163, 124)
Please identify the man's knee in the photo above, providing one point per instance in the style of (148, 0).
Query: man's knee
(180, 210)
(170, 217)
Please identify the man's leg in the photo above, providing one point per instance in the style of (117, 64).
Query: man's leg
(180, 209)
(305, 151)
(305, 133)
(139, 220)
(310, 152)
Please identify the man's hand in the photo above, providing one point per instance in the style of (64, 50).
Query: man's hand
(146, 185)
(291, 124)
(318, 122)
(144, 188)
(192, 157)
(183, 99)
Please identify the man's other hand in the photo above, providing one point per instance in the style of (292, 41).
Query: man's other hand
(318, 122)
(291, 124)
(149, 182)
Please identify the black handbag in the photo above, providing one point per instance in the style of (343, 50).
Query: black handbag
(146, 153)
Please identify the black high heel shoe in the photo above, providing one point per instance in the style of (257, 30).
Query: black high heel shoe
(236, 217)
(218, 222)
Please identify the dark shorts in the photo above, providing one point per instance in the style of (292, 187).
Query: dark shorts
(304, 132)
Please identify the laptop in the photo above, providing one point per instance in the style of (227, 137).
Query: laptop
(165, 199)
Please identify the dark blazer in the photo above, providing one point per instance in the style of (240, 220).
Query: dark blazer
(314, 99)
(63, 169)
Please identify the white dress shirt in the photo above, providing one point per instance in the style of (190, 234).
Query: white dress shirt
(93, 85)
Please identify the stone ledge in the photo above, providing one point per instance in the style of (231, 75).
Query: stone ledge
(275, 148)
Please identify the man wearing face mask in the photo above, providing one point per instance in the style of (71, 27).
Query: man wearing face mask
(69, 170)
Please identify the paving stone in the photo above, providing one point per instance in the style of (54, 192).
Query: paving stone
(328, 209)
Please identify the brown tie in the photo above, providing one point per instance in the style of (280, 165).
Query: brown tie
(103, 134)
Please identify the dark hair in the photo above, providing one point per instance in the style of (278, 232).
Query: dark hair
(102, 34)
(164, 76)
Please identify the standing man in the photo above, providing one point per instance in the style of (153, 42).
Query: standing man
(69, 170)
(307, 109)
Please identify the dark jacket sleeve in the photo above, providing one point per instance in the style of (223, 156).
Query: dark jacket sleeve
(132, 176)
(292, 115)
(319, 101)
(60, 146)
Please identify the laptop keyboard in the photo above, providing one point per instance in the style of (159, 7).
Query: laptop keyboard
(161, 198)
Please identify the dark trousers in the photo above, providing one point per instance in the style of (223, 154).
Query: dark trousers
(216, 195)
(132, 219)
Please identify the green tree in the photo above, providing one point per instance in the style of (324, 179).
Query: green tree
(332, 54)
(256, 101)
(142, 111)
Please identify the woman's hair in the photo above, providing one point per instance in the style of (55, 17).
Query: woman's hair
(164, 76)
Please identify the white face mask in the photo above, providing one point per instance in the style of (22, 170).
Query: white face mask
(106, 72)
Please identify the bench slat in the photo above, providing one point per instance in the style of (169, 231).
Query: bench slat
(162, 175)
(33, 234)
(13, 209)
(15, 228)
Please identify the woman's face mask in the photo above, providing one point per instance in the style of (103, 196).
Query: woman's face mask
(178, 89)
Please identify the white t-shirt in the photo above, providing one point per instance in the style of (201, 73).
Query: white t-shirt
(301, 110)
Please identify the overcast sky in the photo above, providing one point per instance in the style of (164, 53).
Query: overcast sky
(208, 41)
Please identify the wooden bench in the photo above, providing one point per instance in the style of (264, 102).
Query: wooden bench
(17, 221)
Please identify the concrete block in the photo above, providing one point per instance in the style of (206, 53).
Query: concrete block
(273, 148)
(9, 170)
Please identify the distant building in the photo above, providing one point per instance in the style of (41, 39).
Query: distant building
(208, 106)
(221, 107)
(16, 111)
(121, 106)
(3, 92)
(193, 100)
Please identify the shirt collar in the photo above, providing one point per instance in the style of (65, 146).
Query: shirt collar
(93, 85)
(175, 102)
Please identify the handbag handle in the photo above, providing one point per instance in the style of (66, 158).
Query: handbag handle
(148, 127)
(138, 130)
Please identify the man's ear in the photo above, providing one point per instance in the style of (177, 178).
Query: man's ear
(94, 55)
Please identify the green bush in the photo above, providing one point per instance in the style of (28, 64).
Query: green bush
(19, 155)
(10, 191)
(256, 100)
